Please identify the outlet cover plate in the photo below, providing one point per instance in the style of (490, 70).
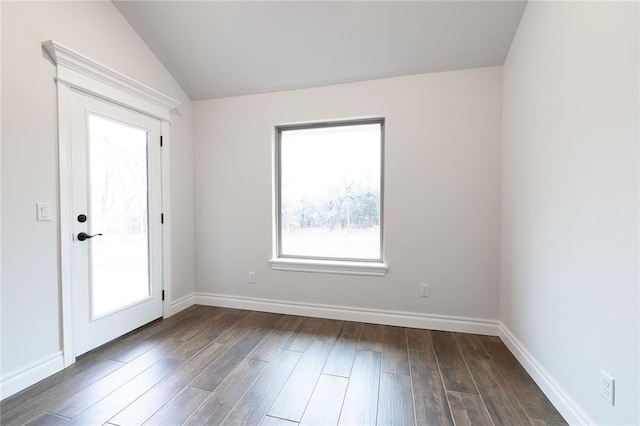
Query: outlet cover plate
(607, 387)
(424, 290)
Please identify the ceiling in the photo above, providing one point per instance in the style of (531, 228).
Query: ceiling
(218, 49)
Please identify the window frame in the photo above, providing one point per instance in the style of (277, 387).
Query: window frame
(352, 266)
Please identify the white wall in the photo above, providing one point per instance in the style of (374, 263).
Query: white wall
(442, 193)
(30, 284)
(569, 275)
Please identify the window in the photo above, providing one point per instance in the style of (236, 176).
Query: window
(329, 179)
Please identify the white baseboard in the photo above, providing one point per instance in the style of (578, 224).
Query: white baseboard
(31, 374)
(346, 313)
(182, 304)
(560, 399)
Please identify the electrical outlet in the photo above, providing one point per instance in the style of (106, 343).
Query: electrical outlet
(424, 290)
(252, 277)
(607, 386)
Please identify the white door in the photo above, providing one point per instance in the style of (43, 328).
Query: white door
(116, 208)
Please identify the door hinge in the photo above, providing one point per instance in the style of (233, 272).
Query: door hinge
(162, 218)
(162, 294)
(161, 142)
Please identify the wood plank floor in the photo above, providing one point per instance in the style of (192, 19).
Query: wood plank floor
(210, 365)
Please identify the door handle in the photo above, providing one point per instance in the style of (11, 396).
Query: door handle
(84, 236)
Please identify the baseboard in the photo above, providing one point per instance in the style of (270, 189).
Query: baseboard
(560, 399)
(345, 313)
(31, 374)
(182, 304)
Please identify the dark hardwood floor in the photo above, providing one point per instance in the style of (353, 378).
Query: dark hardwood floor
(225, 366)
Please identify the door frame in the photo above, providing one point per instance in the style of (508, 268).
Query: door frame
(77, 72)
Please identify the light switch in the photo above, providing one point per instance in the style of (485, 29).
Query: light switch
(43, 212)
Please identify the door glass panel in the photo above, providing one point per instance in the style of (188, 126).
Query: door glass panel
(119, 259)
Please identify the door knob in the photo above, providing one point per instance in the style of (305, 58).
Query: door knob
(84, 236)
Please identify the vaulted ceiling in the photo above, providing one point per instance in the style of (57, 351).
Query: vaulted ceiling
(227, 48)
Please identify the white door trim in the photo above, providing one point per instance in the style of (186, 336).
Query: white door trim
(74, 70)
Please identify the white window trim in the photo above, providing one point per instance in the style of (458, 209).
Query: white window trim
(77, 72)
(373, 269)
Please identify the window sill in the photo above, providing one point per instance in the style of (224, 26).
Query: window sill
(330, 267)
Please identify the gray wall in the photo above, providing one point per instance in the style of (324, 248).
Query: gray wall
(442, 193)
(31, 328)
(569, 278)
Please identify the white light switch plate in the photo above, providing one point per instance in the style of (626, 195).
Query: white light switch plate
(43, 212)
